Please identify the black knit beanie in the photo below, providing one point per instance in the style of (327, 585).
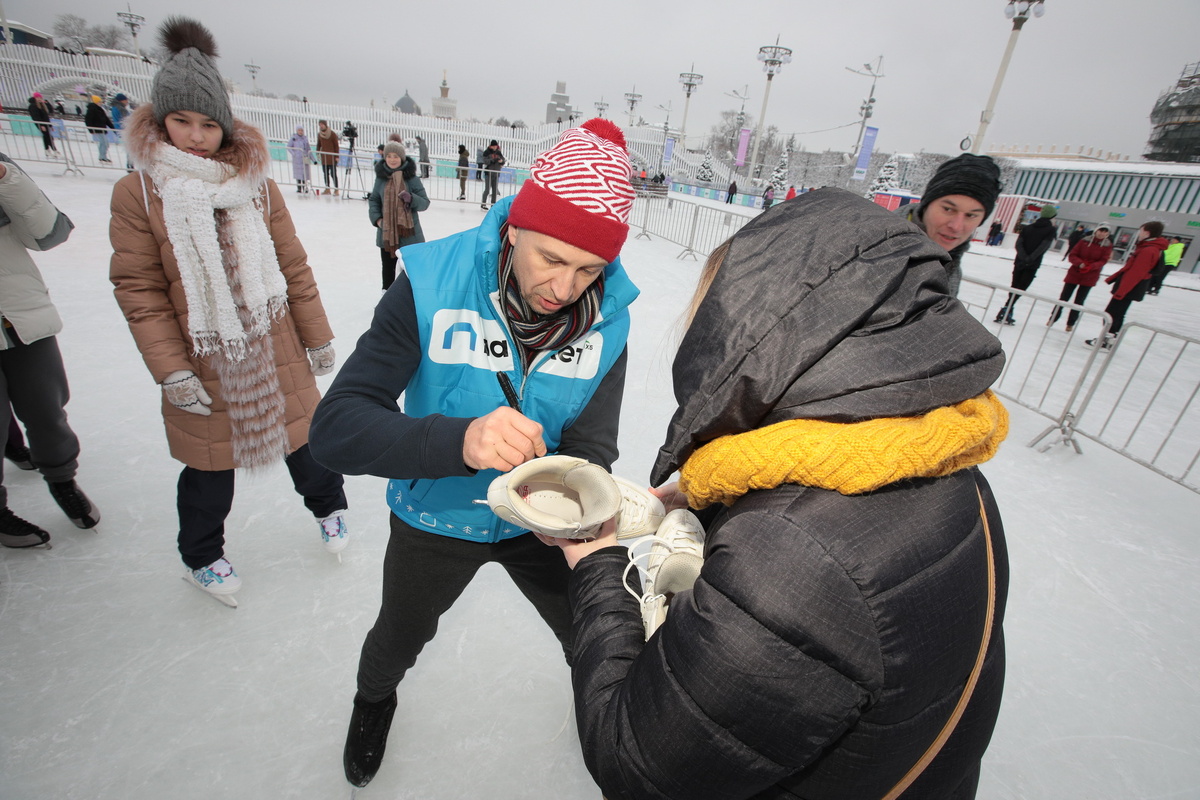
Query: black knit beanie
(977, 177)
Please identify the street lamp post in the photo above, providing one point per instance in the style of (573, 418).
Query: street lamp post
(867, 109)
(1018, 11)
(134, 22)
(666, 133)
(601, 107)
(632, 99)
(253, 69)
(773, 57)
(744, 95)
(690, 81)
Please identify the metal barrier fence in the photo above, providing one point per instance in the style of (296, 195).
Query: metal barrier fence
(696, 227)
(1139, 398)
(1143, 403)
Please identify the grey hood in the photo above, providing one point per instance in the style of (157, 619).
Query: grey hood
(827, 307)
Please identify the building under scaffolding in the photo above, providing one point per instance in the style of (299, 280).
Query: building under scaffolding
(1176, 121)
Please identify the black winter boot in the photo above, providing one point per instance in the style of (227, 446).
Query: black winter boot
(16, 532)
(367, 738)
(19, 455)
(75, 504)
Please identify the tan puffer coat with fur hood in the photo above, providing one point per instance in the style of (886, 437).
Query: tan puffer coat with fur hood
(148, 289)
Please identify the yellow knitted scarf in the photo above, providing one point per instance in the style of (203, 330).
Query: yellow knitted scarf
(850, 458)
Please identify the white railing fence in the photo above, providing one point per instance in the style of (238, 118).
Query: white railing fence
(1138, 398)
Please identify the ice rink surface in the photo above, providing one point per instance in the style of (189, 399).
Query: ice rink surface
(117, 680)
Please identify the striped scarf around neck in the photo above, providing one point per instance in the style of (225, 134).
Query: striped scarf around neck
(536, 332)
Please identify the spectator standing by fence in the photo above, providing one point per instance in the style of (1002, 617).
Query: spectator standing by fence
(423, 154)
(493, 160)
(731, 192)
(98, 125)
(1131, 281)
(1032, 244)
(768, 197)
(1087, 257)
(302, 159)
(120, 111)
(464, 167)
(327, 150)
(39, 112)
(1170, 260)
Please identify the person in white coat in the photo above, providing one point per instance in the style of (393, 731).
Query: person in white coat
(33, 382)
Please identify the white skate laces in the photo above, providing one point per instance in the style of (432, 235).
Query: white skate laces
(672, 563)
(568, 497)
(333, 531)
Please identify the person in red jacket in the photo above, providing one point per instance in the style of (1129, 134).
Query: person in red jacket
(1131, 280)
(1087, 257)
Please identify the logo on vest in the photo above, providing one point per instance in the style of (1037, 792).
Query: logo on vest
(462, 336)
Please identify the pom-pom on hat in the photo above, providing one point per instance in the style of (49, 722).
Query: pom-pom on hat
(188, 79)
(977, 177)
(579, 191)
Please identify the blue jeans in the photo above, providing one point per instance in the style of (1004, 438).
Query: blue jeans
(101, 139)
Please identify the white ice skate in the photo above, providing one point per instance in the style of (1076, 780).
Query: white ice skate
(641, 513)
(673, 562)
(559, 496)
(334, 533)
(218, 580)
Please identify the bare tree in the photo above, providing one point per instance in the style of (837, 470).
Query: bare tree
(111, 37)
(70, 25)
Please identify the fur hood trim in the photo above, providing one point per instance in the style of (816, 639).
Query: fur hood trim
(246, 151)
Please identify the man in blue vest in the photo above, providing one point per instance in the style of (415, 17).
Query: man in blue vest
(508, 342)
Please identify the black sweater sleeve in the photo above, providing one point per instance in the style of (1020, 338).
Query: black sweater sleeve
(359, 429)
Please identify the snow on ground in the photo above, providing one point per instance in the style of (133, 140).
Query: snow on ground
(120, 681)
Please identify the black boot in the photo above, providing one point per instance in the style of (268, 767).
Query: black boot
(1000, 316)
(16, 532)
(19, 455)
(75, 504)
(367, 738)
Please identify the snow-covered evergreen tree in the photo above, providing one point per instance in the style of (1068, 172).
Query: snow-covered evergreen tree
(705, 173)
(779, 178)
(886, 180)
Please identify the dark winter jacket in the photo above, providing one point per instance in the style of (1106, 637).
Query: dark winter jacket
(912, 213)
(1032, 243)
(1130, 281)
(493, 160)
(96, 119)
(38, 112)
(1087, 258)
(828, 636)
(418, 203)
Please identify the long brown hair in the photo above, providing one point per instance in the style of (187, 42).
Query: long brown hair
(707, 275)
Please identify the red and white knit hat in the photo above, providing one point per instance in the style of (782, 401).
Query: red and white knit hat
(579, 192)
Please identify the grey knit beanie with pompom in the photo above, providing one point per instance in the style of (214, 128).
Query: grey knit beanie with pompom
(188, 79)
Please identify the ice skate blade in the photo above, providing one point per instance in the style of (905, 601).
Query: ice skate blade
(224, 599)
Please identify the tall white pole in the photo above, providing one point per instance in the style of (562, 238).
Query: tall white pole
(986, 117)
(758, 128)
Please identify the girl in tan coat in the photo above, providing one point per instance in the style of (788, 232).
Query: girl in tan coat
(221, 303)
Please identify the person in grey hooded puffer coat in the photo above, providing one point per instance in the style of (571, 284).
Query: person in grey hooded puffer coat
(833, 406)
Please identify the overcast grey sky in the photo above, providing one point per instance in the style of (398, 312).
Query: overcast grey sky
(1086, 73)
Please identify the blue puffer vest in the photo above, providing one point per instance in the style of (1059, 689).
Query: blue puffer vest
(466, 343)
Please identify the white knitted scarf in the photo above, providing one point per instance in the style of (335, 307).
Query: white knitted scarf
(192, 189)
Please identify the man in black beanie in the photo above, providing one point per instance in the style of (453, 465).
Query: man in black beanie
(958, 198)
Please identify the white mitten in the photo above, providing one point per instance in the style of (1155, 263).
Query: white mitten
(184, 390)
(321, 359)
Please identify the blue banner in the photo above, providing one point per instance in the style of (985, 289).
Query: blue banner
(864, 155)
(668, 154)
